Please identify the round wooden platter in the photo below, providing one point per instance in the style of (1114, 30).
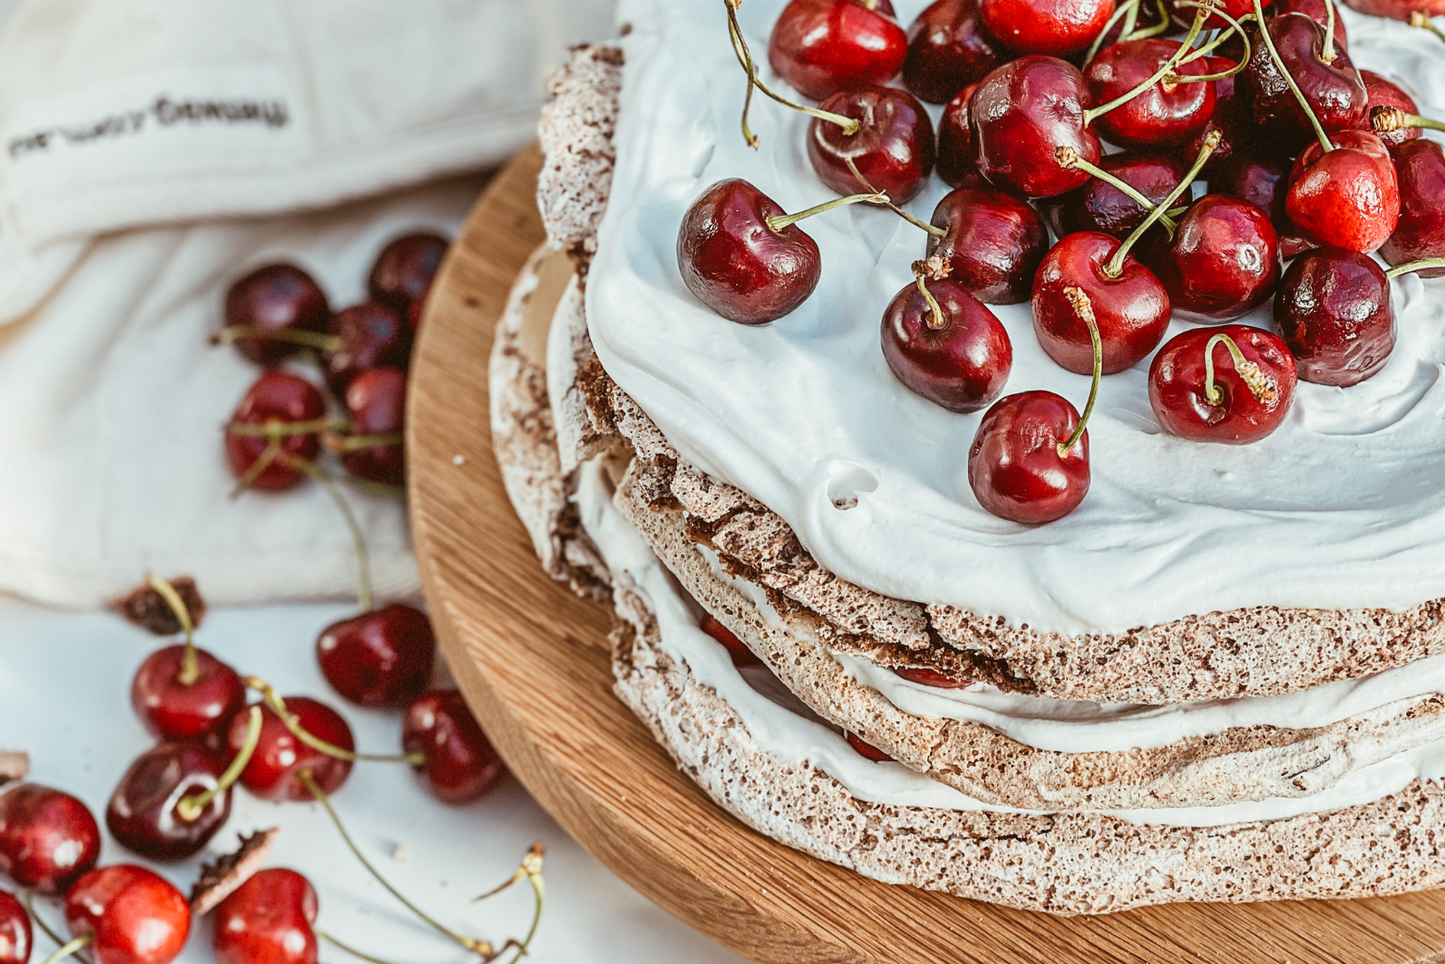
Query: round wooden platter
(532, 659)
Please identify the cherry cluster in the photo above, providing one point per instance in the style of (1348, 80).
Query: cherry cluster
(1304, 159)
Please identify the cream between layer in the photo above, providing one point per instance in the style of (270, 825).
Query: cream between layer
(1342, 507)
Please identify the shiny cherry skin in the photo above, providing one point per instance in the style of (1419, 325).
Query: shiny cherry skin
(376, 405)
(461, 764)
(133, 915)
(1132, 310)
(893, 148)
(404, 269)
(1177, 388)
(932, 677)
(1263, 184)
(267, 920)
(1334, 90)
(1385, 93)
(1022, 113)
(280, 756)
(1223, 261)
(1156, 117)
(1335, 315)
(993, 245)
(948, 50)
(372, 334)
(1184, 16)
(15, 935)
(47, 838)
(1231, 117)
(1014, 465)
(417, 310)
(1099, 206)
(1348, 197)
(277, 396)
(276, 297)
(865, 749)
(824, 46)
(1058, 28)
(962, 366)
(1316, 11)
(1420, 232)
(737, 265)
(738, 651)
(957, 162)
(175, 710)
(379, 658)
(142, 814)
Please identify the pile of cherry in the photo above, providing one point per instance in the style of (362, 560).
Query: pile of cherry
(1305, 158)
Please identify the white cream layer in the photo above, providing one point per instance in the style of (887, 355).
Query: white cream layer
(1344, 506)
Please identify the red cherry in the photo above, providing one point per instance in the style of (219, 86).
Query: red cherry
(824, 46)
(15, 936)
(1420, 232)
(1160, 115)
(893, 148)
(1100, 206)
(993, 243)
(1231, 117)
(1335, 315)
(267, 920)
(948, 50)
(1334, 90)
(405, 268)
(277, 297)
(417, 310)
(1315, 10)
(738, 651)
(866, 750)
(952, 351)
(1223, 261)
(277, 397)
(143, 816)
(376, 403)
(957, 160)
(379, 658)
(932, 677)
(47, 838)
(371, 335)
(1233, 407)
(1380, 92)
(1022, 113)
(1183, 16)
(1018, 465)
(1261, 183)
(185, 710)
(1059, 28)
(1348, 197)
(133, 915)
(280, 756)
(460, 764)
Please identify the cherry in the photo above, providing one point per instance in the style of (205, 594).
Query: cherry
(1335, 315)
(47, 838)
(1261, 183)
(1231, 117)
(405, 268)
(1222, 262)
(177, 704)
(1236, 396)
(267, 920)
(145, 815)
(1163, 113)
(948, 50)
(277, 399)
(1058, 28)
(943, 344)
(417, 310)
(824, 46)
(1420, 232)
(932, 677)
(1347, 196)
(893, 146)
(379, 658)
(738, 651)
(1101, 206)
(376, 403)
(991, 241)
(865, 749)
(1320, 11)
(272, 772)
(1334, 91)
(1022, 113)
(1384, 93)
(368, 335)
(957, 160)
(15, 936)
(274, 302)
(129, 914)
(459, 762)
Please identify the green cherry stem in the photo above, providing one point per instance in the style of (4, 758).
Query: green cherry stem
(1069, 158)
(29, 901)
(358, 538)
(1421, 19)
(1424, 264)
(191, 807)
(1144, 33)
(1299, 95)
(1327, 52)
(264, 461)
(1129, 12)
(1115, 265)
(1384, 118)
(342, 444)
(1185, 46)
(1236, 27)
(190, 671)
(1247, 370)
(273, 428)
(1084, 308)
(325, 936)
(296, 336)
(932, 229)
(936, 321)
(69, 949)
(273, 699)
(777, 222)
(531, 871)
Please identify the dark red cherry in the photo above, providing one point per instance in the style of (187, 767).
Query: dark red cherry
(47, 838)
(866, 750)
(1231, 117)
(1348, 197)
(1316, 11)
(824, 46)
(739, 266)
(948, 50)
(1059, 28)
(372, 334)
(1335, 315)
(277, 397)
(143, 814)
(185, 710)
(277, 297)
(958, 357)
(737, 650)
(1019, 466)
(993, 243)
(460, 764)
(379, 658)
(1022, 113)
(1099, 206)
(267, 920)
(1223, 261)
(1334, 91)
(281, 756)
(957, 160)
(405, 268)
(376, 405)
(1244, 400)
(417, 310)
(133, 915)
(1263, 184)
(1132, 308)
(1384, 93)
(932, 677)
(1420, 232)
(15, 935)
(893, 147)
(1158, 117)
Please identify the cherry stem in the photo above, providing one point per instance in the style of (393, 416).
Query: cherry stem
(1085, 310)
(936, 321)
(347, 947)
(1299, 95)
(191, 807)
(1130, 10)
(1247, 370)
(29, 901)
(295, 336)
(1384, 118)
(1235, 27)
(1069, 158)
(341, 444)
(777, 222)
(69, 949)
(273, 699)
(1421, 19)
(745, 57)
(264, 461)
(1115, 267)
(932, 229)
(1095, 113)
(358, 538)
(275, 428)
(531, 869)
(475, 945)
(1144, 33)
(190, 671)
(1424, 264)
(1327, 53)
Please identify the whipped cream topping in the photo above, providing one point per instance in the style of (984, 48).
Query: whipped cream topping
(1342, 507)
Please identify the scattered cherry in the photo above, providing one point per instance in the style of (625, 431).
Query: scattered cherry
(1059, 28)
(1334, 90)
(267, 920)
(1223, 261)
(1231, 384)
(992, 243)
(277, 398)
(738, 651)
(379, 658)
(1420, 232)
(131, 915)
(1100, 206)
(957, 162)
(1347, 197)
(277, 298)
(47, 838)
(405, 268)
(1162, 114)
(272, 772)
(948, 50)
(824, 46)
(176, 706)
(893, 148)
(1335, 315)
(143, 814)
(376, 403)
(1022, 113)
(460, 764)
(932, 677)
(370, 335)
(865, 749)
(15, 935)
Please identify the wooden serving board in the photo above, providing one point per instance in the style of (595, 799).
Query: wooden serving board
(532, 659)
